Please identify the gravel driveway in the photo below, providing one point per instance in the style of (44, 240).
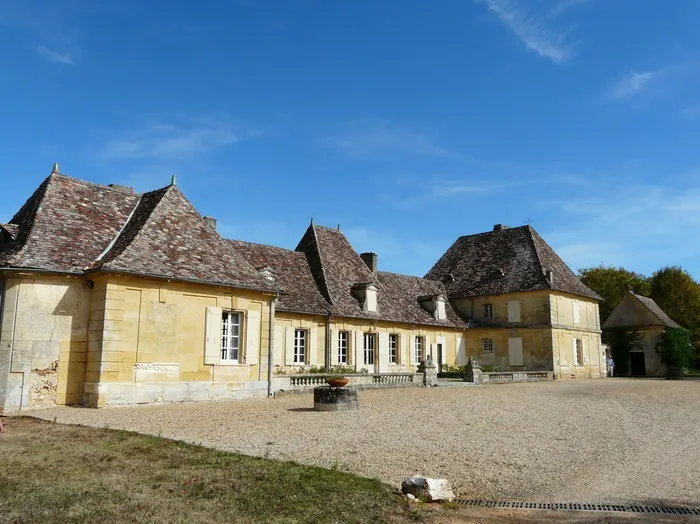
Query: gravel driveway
(612, 440)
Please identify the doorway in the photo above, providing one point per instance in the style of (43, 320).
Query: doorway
(637, 365)
(439, 358)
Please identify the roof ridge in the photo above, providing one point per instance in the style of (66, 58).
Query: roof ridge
(493, 231)
(261, 244)
(165, 190)
(90, 184)
(531, 239)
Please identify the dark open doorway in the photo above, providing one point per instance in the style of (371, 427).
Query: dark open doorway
(439, 358)
(637, 366)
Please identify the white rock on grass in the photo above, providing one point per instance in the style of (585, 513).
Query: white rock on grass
(432, 490)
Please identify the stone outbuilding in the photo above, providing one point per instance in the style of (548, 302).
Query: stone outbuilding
(644, 315)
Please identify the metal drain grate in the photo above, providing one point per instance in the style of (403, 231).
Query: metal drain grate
(571, 506)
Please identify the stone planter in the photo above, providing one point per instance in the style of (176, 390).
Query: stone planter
(335, 399)
(337, 382)
(674, 373)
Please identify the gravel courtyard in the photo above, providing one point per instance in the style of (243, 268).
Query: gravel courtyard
(612, 440)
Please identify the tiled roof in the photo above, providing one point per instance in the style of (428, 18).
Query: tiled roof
(70, 225)
(655, 310)
(504, 261)
(10, 229)
(66, 224)
(337, 267)
(166, 237)
(292, 276)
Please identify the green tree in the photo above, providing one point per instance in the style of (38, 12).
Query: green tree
(675, 348)
(612, 283)
(678, 294)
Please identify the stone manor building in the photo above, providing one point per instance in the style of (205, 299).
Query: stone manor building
(112, 297)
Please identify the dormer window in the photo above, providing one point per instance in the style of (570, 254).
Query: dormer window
(435, 305)
(488, 311)
(366, 293)
(268, 273)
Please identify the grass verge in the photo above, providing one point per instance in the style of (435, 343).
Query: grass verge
(55, 473)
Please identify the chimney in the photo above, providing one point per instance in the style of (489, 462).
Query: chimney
(500, 227)
(210, 222)
(371, 260)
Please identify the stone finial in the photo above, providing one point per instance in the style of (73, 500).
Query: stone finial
(173, 181)
(312, 221)
(54, 169)
(338, 227)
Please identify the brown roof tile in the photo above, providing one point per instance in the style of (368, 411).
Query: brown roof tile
(504, 261)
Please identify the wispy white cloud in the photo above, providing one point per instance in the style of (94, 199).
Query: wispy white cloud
(535, 29)
(642, 228)
(632, 84)
(55, 56)
(369, 137)
(169, 141)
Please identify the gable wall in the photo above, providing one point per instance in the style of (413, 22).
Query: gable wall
(630, 313)
(562, 311)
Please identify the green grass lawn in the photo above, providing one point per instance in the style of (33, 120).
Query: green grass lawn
(56, 473)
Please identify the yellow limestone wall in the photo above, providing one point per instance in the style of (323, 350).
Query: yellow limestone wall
(316, 328)
(147, 341)
(43, 338)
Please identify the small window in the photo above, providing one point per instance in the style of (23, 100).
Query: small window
(488, 311)
(418, 348)
(369, 349)
(230, 336)
(393, 348)
(487, 346)
(299, 346)
(578, 352)
(343, 337)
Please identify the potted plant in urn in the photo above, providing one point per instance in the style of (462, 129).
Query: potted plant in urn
(337, 381)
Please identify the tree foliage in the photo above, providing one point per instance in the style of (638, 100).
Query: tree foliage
(675, 348)
(612, 283)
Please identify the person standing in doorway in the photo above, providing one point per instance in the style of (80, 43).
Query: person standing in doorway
(611, 366)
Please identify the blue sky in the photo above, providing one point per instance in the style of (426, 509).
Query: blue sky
(408, 123)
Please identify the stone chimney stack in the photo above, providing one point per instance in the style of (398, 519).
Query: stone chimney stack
(500, 227)
(371, 260)
(210, 222)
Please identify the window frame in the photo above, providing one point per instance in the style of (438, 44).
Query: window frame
(418, 348)
(369, 351)
(578, 353)
(484, 343)
(488, 311)
(394, 351)
(343, 359)
(304, 347)
(228, 337)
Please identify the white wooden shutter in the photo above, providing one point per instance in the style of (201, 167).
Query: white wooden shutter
(289, 346)
(212, 336)
(383, 340)
(513, 311)
(583, 350)
(577, 313)
(427, 348)
(574, 351)
(461, 352)
(311, 358)
(334, 347)
(412, 350)
(515, 351)
(252, 349)
(278, 355)
(358, 346)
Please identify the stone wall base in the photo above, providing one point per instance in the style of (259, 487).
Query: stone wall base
(99, 395)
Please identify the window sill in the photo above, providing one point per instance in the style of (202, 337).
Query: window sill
(226, 363)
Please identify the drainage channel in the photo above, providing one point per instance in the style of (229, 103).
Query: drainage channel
(572, 506)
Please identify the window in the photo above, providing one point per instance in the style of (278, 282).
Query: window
(418, 349)
(487, 345)
(369, 349)
(578, 352)
(393, 348)
(488, 311)
(343, 337)
(577, 313)
(299, 346)
(230, 336)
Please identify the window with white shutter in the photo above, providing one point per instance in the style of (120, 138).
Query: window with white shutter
(343, 338)
(577, 313)
(513, 311)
